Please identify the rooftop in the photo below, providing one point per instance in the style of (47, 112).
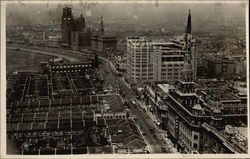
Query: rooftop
(125, 133)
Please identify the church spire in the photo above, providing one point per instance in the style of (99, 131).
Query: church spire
(189, 25)
(101, 26)
(187, 69)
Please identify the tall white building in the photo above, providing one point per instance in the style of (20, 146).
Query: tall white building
(168, 61)
(139, 62)
(149, 61)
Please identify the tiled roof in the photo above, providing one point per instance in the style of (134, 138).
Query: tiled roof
(41, 116)
(12, 127)
(129, 134)
(78, 125)
(25, 126)
(53, 114)
(51, 126)
(65, 125)
(38, 126)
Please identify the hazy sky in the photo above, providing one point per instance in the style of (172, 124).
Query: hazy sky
(154, 13)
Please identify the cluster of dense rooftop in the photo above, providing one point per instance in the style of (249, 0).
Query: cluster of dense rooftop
(60, 112)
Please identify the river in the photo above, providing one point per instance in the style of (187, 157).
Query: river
(24, 61)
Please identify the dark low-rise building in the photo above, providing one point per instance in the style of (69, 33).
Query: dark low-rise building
(80, 39)
(220, 66)
(104, 45)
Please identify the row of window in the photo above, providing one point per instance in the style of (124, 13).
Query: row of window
(168, 59)
(113, 117)
(138, 62)
(144, 78)
(138, 74)
(169, 77)
(65, 71)
(143, 70)
(170, 72)
(71, 66)
(172, 65)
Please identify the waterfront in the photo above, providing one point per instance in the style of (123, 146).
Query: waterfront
(24, 61)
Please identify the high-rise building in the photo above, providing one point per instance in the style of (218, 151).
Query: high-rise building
(74, 31)
(149, 61)
(79, 23)
(67, 26)
(139, 61)
(168, 61)
(103, 44)
(81, 39)
(152, 61)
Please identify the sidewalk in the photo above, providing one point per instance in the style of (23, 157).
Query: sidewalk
(110, 64)
(150, 114)
(123, 80)
(148, 145)
(169, 145)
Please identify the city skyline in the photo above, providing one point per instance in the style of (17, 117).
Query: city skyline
(131, 12)
(126, 78)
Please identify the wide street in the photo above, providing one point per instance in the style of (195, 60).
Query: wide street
(144, 122)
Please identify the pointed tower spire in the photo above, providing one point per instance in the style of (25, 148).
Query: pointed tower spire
(189, 25)
(187, 69)
(101, 26)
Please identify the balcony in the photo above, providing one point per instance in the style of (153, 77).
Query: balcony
(185, 94)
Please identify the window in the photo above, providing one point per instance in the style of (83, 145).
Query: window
(195, 137)
(195, 146)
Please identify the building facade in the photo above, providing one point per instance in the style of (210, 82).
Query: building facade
(139, 61)
(104, 44)
(80, 39)
(149, 61)
(75, 35)
(220, 66)
(197, 120)
(67, 26)
(168, 61)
